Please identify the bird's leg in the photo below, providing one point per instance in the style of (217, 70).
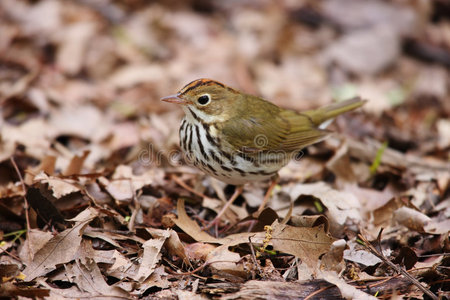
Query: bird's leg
(273, 184)
(237, 192)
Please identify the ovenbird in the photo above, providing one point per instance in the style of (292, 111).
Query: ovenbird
(238, 138)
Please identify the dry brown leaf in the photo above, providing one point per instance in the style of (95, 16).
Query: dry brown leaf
(124, 183)
(333, 259)
(151, 256)
(233, 214)
(106, 236)
(95, 126)
(342, 206)
(68, 293)
(224, 260)
(35, 241)
(340, 164)
(74, 42)
(437, 227)
(124, 270)
(76, 164)
(59, 186)
(61, 248)
(190, 227)
(308, 244)
(120, 262)
(360, 256)
(310, 221)
(135, 74)
(411, 218)
(47, 166)
(348, 291)
(33, 134)
(104, 256)
(159, 278)
(370, 199)
(188, 295)
(199, 251)
(173, 243)
(86, 274)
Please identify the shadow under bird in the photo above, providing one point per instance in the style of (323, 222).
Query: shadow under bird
(239, 138)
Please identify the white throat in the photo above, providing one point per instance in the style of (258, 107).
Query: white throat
(200, 115)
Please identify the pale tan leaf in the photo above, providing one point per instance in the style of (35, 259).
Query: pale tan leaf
(333, 259)
(190, 227)
(124, 183)
(86, 274)
(306, 243)
(342, 206)
(223, 259)
(151, 256)
(36, 240)
(411, 218)
(361, 256)
(173, 243)
(348, 291)
(61, 248)
(59, 186)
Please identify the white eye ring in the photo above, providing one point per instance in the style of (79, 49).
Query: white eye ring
(204, 99)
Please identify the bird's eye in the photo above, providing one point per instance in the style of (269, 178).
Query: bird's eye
(204, 99)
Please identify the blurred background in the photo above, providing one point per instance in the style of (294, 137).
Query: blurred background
(94, 70)
(82, 123)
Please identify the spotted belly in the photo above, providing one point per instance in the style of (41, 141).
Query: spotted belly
(204, 151)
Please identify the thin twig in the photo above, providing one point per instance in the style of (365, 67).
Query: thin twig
(381, 256)
(10, 254)
(254, 256)
(318, 292)
(27, 217)
(188, 188)
(135, 209)
(24, 190)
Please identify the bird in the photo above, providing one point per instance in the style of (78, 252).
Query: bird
(239, 138)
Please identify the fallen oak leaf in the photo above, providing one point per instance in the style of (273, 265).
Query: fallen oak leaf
(62, 248)
(190, 227)
(306, 243)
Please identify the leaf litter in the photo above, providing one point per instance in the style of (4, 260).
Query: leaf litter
(96, 199)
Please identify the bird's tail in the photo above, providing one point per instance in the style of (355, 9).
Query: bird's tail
(323, 114)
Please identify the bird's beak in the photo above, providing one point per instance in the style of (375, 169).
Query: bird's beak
(175, 99)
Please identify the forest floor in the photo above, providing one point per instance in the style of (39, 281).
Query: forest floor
(96, 200)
